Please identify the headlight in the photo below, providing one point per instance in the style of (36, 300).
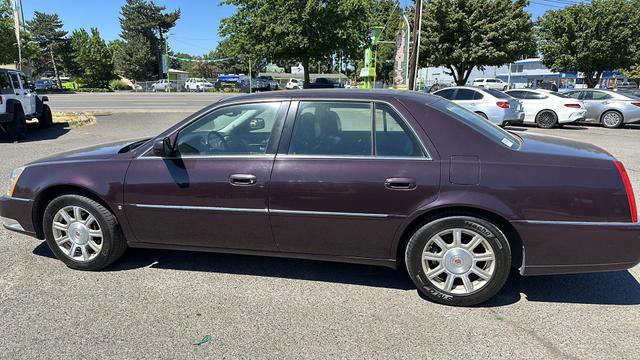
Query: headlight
(13, 180)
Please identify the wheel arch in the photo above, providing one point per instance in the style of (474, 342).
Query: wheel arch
(543, 110)
(12, 105)
(47, 195)
(512, 235)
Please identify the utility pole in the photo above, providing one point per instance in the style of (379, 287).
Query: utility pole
(413, 58)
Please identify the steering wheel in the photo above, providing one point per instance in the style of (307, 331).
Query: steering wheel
(216, 142)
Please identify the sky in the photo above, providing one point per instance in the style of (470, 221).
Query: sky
(196, 32)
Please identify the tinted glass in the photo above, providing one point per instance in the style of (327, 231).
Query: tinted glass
(492, 80)
(464, 94)
(233, 130)
(393, 137)
(598, 95)
(497, 94)
(15, 81)
(446, 93)
(477, 95)
(518, 94)
(5, 84)
(536, 96)
(478, 123)
(332, 128)
(573, 94)
(555, 93)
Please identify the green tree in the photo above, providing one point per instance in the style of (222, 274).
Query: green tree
(633, 71)
(132, 57)
(386, 13)
(304, 30)
(46, 30)
(142, 19)
(94, 58)
(590, 38)
(464, 34)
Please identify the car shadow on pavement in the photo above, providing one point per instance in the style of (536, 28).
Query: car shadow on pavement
(35, 133)
(298, 269)
(608, 288)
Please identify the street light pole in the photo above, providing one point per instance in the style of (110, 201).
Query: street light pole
(166, 53)
(413, 60)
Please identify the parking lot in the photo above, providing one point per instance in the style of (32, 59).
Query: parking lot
(154, 303)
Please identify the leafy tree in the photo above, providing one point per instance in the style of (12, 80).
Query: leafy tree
(633, 71)
(142, 19)
(94, 58)
(590, 38)
(386, 13)
(132, 57)
(464, 34)
(46, 30)
(304, 30)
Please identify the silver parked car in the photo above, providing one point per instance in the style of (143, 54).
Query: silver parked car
(496, 106)
(609, 108)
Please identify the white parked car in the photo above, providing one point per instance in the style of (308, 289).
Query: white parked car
(19, 103)
(163, 85)
(294, 84)
(493, 105)
(197, 84)
(548, 108)
(491, 83)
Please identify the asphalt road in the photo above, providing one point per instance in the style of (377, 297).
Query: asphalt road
(156, 304)
(129, 102)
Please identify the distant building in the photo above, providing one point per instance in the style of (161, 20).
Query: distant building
(532, 73)
(440, 75)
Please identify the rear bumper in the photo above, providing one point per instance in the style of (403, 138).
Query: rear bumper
(563, 247)
(15, 215)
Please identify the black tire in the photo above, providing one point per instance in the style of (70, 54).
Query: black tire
(45, 121)
(113, 244)
(486, 289)
(604, 119)
(546, 119)
(17, 129)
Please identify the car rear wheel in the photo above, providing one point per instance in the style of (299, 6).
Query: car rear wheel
(82, 233)
(458, 260)
(45, 121)
(546, 119)
(17, 129)
(611, 119)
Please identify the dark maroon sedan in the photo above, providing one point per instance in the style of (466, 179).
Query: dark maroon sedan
(387, 178)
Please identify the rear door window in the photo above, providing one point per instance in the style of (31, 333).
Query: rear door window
(446, 93)
(15, 81)
(464, 94)
(5, 84)
(518, 94)
(332, 128)
(598, 95)
(393, 137)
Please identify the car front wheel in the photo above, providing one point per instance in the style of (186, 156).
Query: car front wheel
(458, 260)
(82, 233)
(45, 121)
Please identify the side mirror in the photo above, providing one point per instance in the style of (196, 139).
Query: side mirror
(256, 124)
(31, 87)
(162, 147)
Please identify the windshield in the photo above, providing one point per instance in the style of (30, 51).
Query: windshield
(478, 123)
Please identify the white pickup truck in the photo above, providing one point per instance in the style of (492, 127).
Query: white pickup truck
(19, 103)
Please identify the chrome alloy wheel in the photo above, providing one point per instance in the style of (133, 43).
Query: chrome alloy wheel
(612, 119)
(77, 233)
(458, 261)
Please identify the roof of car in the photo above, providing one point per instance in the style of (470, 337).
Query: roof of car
(337, 94)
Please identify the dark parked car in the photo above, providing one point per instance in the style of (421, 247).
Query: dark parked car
(324, 83)
(398, 179)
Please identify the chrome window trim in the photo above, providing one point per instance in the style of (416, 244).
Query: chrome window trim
(17, 198)
(576, 223)
(425, 156)
(346, 157)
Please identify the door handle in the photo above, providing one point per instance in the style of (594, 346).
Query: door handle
(243, 179)
(400, 183)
